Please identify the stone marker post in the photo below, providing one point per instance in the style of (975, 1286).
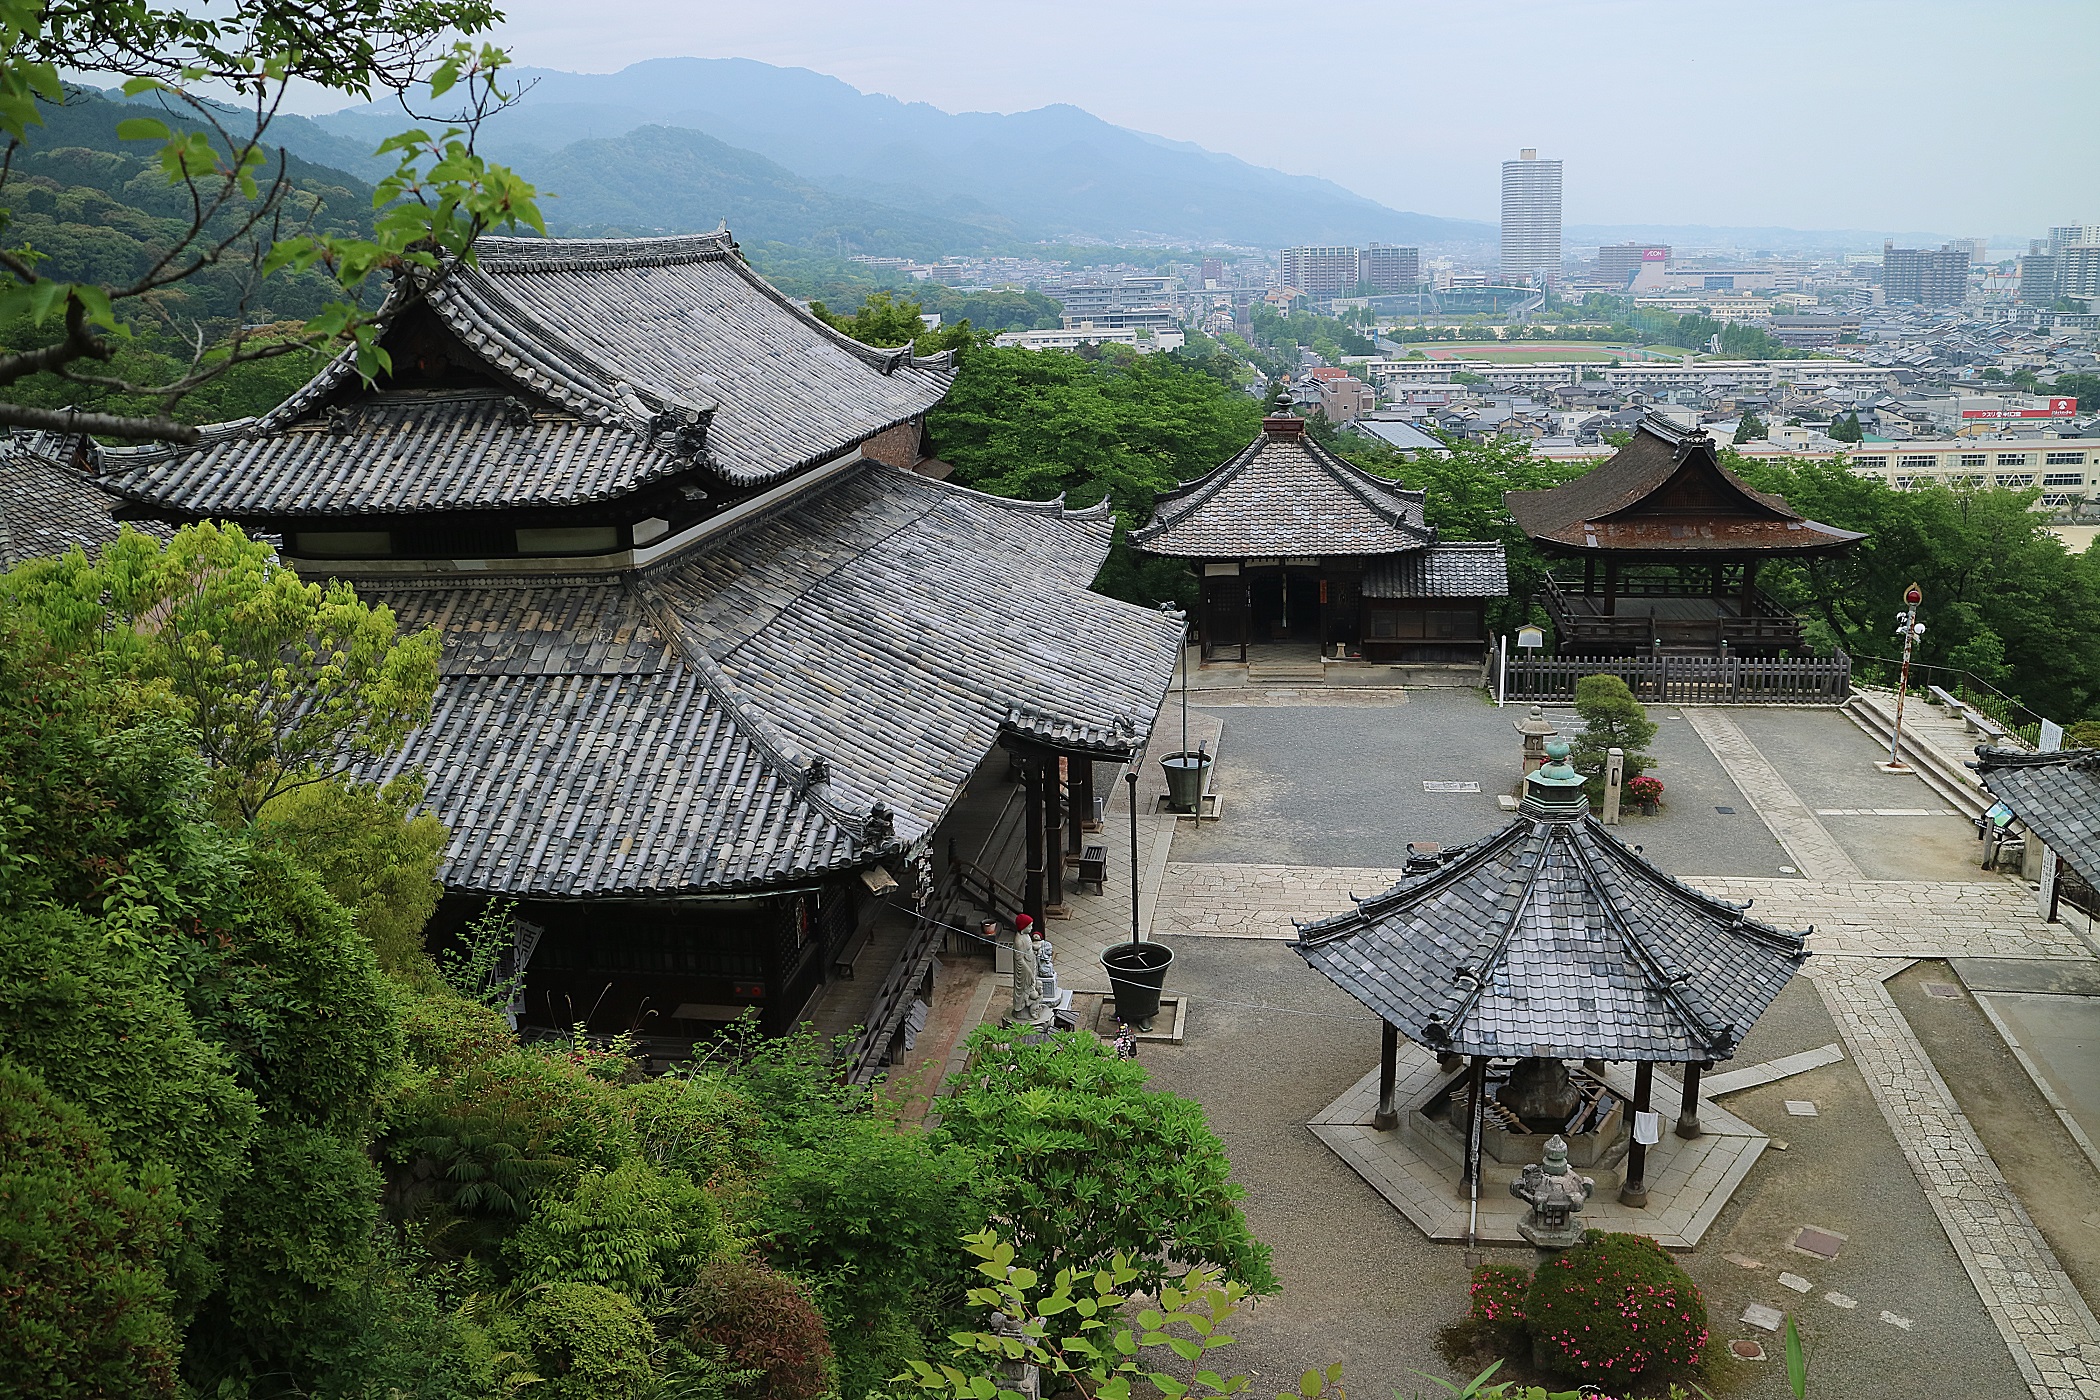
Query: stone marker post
(1614, 780)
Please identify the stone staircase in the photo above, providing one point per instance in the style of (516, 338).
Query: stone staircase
(1286, 673)
(1936, 744)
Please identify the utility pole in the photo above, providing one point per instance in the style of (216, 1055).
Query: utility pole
(1910, 629)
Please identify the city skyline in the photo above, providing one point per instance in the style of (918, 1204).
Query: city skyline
(1439, 144)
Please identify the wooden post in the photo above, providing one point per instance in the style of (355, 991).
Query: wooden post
(1073, 819)
(1688, 1106)
(1032, 847)
(1388, 1072)
(1246, 609)
(1083, 795)
(1476, 1095)
(1749, 587)
(1053, 857)
(1635, 1192)
(1589, 575)
(1611, 588)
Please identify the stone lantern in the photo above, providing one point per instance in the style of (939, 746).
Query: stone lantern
(1556, 1196)
(1536, 729)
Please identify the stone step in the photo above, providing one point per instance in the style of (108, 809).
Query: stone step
(1286, 673)
(1926, 740)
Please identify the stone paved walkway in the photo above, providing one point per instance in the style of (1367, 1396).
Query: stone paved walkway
(2052, 1334)
(1816, 853)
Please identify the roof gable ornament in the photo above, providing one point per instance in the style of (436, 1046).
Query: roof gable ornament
(879, 828)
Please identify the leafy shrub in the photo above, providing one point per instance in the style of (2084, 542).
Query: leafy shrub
(699, 1124)
(1497, 1311)
(1613, 1308)
(764, 1323)
(375, 855)
(631, 1229)
(86, 1298)
(444, 1034)
(587, 1342)
(1086, 1162)
(1612, 719)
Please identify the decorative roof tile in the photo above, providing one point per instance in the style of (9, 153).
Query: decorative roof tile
(47, 506)
(1285, 495)
(2056, 794)
(1452, 569)
(1552, 938)
(633, 360)
(660, 733)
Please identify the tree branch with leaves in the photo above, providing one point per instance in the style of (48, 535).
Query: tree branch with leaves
(242, 209)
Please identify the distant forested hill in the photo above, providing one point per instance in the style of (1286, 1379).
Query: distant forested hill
(101, 209)
(664, 180)
(1056, 172)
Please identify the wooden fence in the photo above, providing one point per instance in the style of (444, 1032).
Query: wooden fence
(1701, 679)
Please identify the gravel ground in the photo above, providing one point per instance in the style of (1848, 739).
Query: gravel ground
(1335, 786)
(1270, 1042)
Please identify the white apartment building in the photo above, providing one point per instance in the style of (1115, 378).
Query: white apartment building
(1072, 337)
(1744, 374)
(1719, 308)
(1321, 273)
(2061, 467)
(1531, 218)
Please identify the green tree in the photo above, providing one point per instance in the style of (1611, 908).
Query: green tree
(1088, 1163)
(244, 206)
(1985, 560)
(1847, 429)
(81, 1239)
(1751, 429)
(2083, 387)
(285, 682)
(1611, 719)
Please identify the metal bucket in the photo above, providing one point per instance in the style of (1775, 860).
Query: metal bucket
(1137, 972)
(1187, 776)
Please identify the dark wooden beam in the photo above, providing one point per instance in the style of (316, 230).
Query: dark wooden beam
(1032, 841)
(1388, 1071)
(1688, 1106)
(1635, 1192)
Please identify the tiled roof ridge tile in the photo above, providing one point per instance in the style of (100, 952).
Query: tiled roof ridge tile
(1383, 497)
(774, 748)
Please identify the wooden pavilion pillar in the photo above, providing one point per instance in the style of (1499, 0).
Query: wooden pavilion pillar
(1032, 839)
(1083, 796)
(1072, 767)
(1589, 574)
(1688, 1106)
(1388, 1072)
(1749, 587)
(1476, 1100)
(1611, 588)
(1635, 1192)
(1052, 828)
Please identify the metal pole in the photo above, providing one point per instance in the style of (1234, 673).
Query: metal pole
(1185, 703)
(1911, 597)
(1130, 779)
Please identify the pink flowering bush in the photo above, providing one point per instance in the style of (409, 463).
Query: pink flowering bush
(1645, 789)
(1497, 1312)
(1614, 1308)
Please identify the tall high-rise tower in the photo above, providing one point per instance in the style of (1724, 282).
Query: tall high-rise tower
(1531, 218)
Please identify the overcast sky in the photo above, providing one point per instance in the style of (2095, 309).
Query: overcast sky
(1966, 119)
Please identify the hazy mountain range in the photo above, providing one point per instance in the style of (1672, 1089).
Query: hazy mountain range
(1053, 173)
(792, 156)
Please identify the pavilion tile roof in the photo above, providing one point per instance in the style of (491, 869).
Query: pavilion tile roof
(2056, 794)
(47, 506)
(628, 361)
(1552, 938)
(1285, 495)
(1450, 569)
(659, 732)
(1667, 491)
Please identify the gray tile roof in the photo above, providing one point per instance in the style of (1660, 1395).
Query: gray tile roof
(2056, 794)
(1552, 938)
(1284, 495)
(655, 733)
(1452, 569)
(47, 506)
(610, 345)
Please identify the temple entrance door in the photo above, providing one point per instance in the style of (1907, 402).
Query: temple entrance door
(1301, 605)
(1225, 615)
(1265, 594)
